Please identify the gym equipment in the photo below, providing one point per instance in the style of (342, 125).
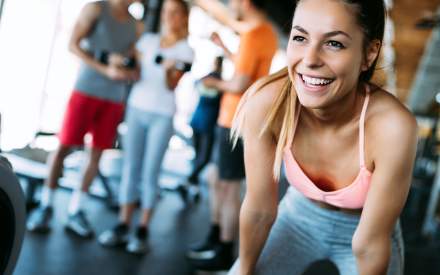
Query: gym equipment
(12, 217)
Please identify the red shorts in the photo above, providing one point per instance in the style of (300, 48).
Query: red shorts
(88, 114)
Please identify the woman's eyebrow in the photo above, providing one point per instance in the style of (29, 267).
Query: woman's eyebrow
(328, 34)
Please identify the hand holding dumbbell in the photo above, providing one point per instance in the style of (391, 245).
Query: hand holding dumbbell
(173, 64)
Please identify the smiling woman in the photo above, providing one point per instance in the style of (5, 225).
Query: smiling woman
(331, 53)
(324, 119)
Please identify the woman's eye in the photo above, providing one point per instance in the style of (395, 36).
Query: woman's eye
(335, 44)
(298, 38)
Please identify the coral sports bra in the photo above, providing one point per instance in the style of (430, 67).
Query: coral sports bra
(352, 196)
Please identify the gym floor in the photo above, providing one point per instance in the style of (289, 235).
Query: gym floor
(173, 228)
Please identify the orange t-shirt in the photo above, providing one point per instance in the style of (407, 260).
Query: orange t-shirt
(254, 57)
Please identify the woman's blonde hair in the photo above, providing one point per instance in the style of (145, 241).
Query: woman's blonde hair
(283, 109)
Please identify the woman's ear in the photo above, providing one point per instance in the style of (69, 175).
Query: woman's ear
(371, 54)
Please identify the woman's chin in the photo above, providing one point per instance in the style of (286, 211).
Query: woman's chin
(311, 103)
(310, 100)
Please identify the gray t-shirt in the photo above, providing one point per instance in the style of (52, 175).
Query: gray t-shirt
(109, 36)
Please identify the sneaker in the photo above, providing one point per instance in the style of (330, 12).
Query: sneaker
(78, 224)
(138, 243)
(115, 236)
(206, 249)
(220, 259)
(40, 219)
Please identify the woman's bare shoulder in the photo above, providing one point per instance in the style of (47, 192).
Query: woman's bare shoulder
(388, 119)
(263, 94)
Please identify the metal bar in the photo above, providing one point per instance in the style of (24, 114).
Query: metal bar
(1, 8)
(430, 223)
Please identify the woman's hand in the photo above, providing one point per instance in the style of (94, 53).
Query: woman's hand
(215, 38)
(210, 82)
(172, 75)
(169, 64)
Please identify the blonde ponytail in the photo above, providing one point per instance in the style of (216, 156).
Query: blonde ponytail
(283, 109)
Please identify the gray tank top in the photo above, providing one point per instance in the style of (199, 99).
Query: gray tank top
(108, 35)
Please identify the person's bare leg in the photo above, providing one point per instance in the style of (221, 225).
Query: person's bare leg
(77, 222)
(40, 219)
(126, 213)
(145, 217)
(55, 163)
(92, 169)
(80, 195)
(215, 194)
(230, 209)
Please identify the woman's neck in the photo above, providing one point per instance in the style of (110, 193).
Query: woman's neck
(340, 113)
(168, 39)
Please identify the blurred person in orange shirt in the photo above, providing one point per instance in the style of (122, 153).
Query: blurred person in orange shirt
(258, 44)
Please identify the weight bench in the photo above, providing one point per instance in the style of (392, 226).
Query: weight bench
(34, 172)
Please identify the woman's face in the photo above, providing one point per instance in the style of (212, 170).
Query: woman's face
(325, 52)
(174, 17)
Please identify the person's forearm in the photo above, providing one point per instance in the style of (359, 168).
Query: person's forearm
(228, 53)
(87, 58)
(373, 260)
(215, 8)
(234, 86)
(220, 13)
(255, 226)
(172, 77)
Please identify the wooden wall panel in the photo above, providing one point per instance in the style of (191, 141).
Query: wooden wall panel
(409, 42)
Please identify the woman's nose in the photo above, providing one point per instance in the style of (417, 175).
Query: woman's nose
(312, 57)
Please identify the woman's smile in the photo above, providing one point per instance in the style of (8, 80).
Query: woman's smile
(314, 85)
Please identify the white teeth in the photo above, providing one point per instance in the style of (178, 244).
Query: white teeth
(316, 81)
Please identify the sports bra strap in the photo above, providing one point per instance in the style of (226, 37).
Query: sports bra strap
(295, 123)
(362, 128)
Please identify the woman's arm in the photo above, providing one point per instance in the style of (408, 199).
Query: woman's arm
(172, 75)
(259, 208)
(393, 154)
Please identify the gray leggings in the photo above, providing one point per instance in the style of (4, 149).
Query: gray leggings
(145, 144)
(305, 233)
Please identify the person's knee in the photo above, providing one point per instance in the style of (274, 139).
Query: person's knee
(62, 151)
(58, 155)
